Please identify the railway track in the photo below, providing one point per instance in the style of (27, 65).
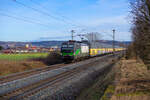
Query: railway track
(50, 77)
(31, 89)
(29, 73)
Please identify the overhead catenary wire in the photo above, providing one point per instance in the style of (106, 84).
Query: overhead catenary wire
(49, 15)
(22, 19)
(41, 12)
(62, 16)
(26, 19)
(43, 7)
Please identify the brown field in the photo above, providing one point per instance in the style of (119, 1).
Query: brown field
(9, 67)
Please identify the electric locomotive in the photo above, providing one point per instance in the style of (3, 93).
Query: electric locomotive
(74, 50)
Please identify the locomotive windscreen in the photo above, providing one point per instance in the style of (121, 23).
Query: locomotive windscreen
(70, 45)
(67, 51)
(67, 45)
(64, 46)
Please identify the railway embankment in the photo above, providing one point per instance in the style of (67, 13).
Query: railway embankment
(132, 82)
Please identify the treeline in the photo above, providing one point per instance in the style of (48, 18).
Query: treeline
(141, 29)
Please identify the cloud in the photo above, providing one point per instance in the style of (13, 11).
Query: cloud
(106, 24)
(116, 20)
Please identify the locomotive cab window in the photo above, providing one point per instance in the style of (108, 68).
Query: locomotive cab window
(70, 45)
(67, 51)
(64, 46)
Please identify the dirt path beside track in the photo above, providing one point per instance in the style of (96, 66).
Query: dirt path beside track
(132, 82)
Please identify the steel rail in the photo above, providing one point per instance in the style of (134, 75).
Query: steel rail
(29, 73)
(33, 88)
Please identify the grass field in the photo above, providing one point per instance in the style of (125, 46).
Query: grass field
(13, 63)
(22, 56)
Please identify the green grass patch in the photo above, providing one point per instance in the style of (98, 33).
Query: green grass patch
(109, 92)
(22, 56)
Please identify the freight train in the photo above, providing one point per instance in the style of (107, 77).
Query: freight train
(75, 50)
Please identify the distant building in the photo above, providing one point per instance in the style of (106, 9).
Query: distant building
(9, 51)
(27, 45)
(30, 49)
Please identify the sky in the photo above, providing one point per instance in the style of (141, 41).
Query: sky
(30, 20)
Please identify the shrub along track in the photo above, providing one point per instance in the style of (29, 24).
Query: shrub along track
(31, 89)
(29, 73)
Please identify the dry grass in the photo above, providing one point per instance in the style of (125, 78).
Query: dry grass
(14, 66)
(134, 82)
(9, 67)
(25, 56)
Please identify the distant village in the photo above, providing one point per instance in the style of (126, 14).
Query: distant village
(44, 46)
(28, 48)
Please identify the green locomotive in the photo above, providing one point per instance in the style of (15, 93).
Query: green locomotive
(74, 50)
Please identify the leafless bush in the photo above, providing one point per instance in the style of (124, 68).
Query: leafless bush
(130, 52)
(53, 58)
(141, 29)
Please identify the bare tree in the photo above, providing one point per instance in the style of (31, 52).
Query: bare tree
(141, 29)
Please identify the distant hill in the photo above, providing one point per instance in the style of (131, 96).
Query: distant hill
(101, 43)
(117, 43)
(12, 44)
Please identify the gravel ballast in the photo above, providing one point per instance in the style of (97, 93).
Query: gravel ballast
(70, 88)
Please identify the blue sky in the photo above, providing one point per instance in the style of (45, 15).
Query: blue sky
(61, 16)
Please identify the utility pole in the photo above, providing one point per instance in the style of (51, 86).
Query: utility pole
(113, 44)
(72, 34)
